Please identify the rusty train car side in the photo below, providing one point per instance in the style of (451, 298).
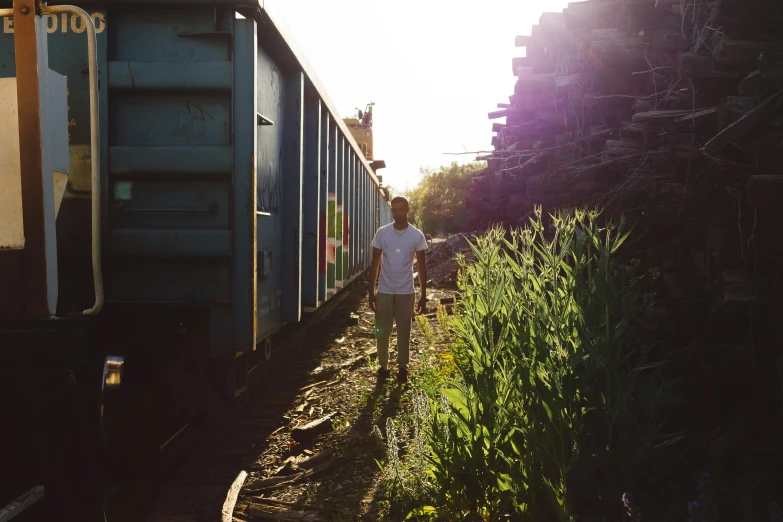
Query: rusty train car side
(176, 194)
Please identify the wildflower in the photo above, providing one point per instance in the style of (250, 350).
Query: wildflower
(704, 509)
(633, 510)
(376, 433)
(693, 512)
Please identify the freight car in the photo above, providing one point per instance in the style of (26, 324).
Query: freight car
(175, 187)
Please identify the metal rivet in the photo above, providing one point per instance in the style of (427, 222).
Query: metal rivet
(24, 9)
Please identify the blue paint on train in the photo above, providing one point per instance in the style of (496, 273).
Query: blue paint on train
(219, 148)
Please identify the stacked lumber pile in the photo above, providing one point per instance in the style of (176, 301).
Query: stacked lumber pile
(670, 112)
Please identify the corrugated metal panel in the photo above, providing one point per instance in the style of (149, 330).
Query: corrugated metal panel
(204, 201)
(243, 186)
(271, 99)
(311, 202)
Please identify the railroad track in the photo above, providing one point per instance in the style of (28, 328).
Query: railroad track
(203, 462)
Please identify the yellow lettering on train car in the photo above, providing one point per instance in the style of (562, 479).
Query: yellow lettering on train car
(51, 23)
(77, 25)
(100, 22)
(55, 23)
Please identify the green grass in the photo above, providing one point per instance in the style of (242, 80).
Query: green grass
(541, 380)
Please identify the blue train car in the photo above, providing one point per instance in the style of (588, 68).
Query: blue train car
(230, 199)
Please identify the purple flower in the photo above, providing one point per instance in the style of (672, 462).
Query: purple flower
(634, 513)
(705, 509)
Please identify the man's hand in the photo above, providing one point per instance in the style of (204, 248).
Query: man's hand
(422, 304)
(421, 265)
(374, 271)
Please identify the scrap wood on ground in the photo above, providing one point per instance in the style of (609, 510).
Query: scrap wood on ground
(320, 464)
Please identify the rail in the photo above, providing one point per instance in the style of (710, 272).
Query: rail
(95, 153)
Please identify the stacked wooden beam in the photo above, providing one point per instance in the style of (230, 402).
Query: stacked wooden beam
(669, 111)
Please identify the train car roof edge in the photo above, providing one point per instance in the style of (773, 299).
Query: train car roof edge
(261, 8)
(285, 34)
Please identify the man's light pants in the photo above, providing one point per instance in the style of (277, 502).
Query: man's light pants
(397, 308)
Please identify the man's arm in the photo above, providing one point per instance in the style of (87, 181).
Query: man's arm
(421, 265)
(374, 270)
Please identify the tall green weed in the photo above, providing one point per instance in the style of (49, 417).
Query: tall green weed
(557, 398)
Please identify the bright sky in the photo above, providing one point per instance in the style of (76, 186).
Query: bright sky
(434, 69)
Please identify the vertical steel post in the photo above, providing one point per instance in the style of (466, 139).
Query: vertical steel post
(368, 234)
(244, 196)
(311, 202)
(354, 212)
(360, 246)
(338, 224)
(331, 241)
(292, 197)
(347, 240)
(33, 257)
(323, 204)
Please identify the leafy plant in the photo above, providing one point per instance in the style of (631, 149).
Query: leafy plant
(555, 385)
(443, 321)
(404, 476)
(425, 327)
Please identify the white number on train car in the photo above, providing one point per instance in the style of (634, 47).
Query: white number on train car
(62, 23)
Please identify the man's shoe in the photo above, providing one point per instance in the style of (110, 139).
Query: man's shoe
(402, 376)
(383, 374)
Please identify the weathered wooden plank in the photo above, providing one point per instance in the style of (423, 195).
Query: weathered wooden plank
(739, 53)
(591, 15)
(280, 514)
(522, 40)
(227, 512)
(764, 190)
(732, 294)
(563, 81)
(614, 149)
(658, 116)
(500, 114)
(610, 102)
(633, 132)
(534, 84)
(520, 61)
(312, 429)
(693, 65)
(733, 107)
(743, 125)
(21, 503)
(645, 16)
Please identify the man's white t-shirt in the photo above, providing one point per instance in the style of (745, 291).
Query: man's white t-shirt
(399, 249)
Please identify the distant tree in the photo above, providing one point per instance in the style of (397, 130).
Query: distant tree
(438, 201)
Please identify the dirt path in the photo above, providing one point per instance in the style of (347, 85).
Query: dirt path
(333, 477)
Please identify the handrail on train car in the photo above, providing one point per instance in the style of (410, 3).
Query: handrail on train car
(95, 153)
(95, 145)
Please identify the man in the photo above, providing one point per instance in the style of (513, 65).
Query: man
(393, 249)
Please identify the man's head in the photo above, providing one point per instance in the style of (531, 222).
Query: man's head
(400, 209)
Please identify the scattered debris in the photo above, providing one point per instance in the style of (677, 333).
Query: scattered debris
(334, 476)
(441, 259)
(280, 513)
(308, 432)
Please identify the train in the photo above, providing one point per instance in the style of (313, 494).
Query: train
(176, 187)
